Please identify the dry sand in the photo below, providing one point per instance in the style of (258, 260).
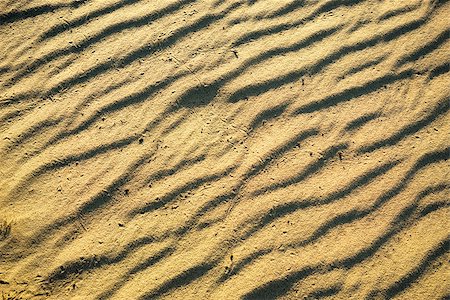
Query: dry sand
(252, 149)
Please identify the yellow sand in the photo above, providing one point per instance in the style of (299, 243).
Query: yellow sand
(252, 149)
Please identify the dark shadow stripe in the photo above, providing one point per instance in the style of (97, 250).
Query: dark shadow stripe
(369, 251)
(278, 152)
(325, 292)
(96, 38)
(202, 95)
(364, 66)
(242, 264)
(353, 215)
(440, 70)
(360, 121)
(149, 262)
(140, 52)
(309, 170)
(18, 98)
(193, 221)
(400, 222)
(439, 110)
(24, 136)
(86, 18)
(67, 160)
(267, 115)
(180, 280)
(294, 5)
(417, 272)
(353, 92)
(96, 203)
(281, 286)
(182, 165)
(129, 100)
(14, 15)
(89, 264)
(282, 210)
(371, 41)
(4, 70)
(358, 214)
(278, 287)
(398, 11)
(206, 20)
(257, 89)
(172, 195)
(337, 221)
(10, 116)
(425, 49)
(430, 208)
(260, 33)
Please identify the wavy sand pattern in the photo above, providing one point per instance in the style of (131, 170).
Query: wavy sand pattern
(235, 149)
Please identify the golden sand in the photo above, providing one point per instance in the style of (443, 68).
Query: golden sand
(237, 149)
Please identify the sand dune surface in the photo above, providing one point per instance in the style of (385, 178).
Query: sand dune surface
(234, 149)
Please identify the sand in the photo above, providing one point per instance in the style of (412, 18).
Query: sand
(252, 149)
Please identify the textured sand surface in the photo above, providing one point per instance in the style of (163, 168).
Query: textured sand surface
(252, 149)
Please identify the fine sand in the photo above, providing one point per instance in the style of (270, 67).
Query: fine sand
(234, 149)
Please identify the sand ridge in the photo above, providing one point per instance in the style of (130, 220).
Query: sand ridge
(242, 149)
